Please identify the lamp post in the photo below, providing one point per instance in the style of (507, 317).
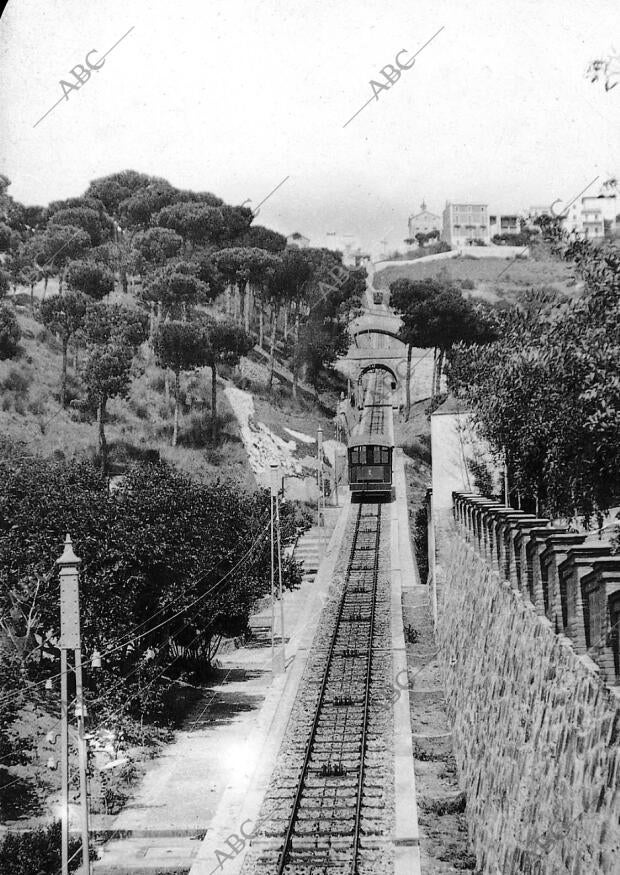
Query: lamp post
(70, 640)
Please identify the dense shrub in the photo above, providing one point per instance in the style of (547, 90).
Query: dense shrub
(17, 380)
(196, 432)
(5, 283)
(35, 852)
(5, 237)
(157, 542)
(483, 478)
(419, 449)
(10, 332)
(420, 540)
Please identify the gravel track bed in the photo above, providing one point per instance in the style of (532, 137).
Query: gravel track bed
(324, 824)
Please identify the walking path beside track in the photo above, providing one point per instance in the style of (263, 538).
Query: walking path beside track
(200, 778)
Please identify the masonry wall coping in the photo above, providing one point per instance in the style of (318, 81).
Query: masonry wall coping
(606, 568)
(559, 542)
(533, 521)
(585, 555)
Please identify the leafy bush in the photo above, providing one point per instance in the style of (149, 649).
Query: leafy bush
(420, 540)
(483, 478)
(5, 282)
(17, 380)
(157, 542)
(5, 238)
(10, 332)
(468, 284)
(197, 432)
(35, 852)
(157, 381)
(123, 453)
(419, 449)
(37, 406)
(140, 408)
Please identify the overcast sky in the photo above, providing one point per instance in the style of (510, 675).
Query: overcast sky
(232, 96)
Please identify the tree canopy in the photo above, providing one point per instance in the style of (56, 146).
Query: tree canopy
(436, 315)
(179, 346)
(547, 389)
(195, 556)
(95, 280)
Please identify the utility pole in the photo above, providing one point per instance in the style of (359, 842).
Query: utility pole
(321, 501)
(336, 461)
(273, 599)
(70, 640)
(275, 501)
(506, 498)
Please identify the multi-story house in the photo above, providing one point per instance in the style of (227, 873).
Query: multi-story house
(594, 215)
(504, 224)
(465, 223)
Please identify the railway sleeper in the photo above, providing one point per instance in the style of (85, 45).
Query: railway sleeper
(317, 814)
(317, 841)
(317, 786)
(348, 766)
(336, 749)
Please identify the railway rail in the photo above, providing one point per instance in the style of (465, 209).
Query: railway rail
(320, 816)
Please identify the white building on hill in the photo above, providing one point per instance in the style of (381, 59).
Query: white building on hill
(423, 222)
(464, 223)
(594, 215)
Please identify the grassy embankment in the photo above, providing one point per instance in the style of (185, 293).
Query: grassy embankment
(140, 425)
(494, 280)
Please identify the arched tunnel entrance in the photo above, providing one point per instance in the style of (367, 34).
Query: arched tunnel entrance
(390, 381)
(377, 338)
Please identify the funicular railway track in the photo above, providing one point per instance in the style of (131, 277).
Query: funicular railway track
(320, 832)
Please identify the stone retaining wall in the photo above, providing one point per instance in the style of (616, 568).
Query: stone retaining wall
(535, 729)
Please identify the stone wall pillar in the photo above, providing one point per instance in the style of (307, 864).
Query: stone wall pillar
(577, 563)
(551, 558)
(603, 582)
(519, 528)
